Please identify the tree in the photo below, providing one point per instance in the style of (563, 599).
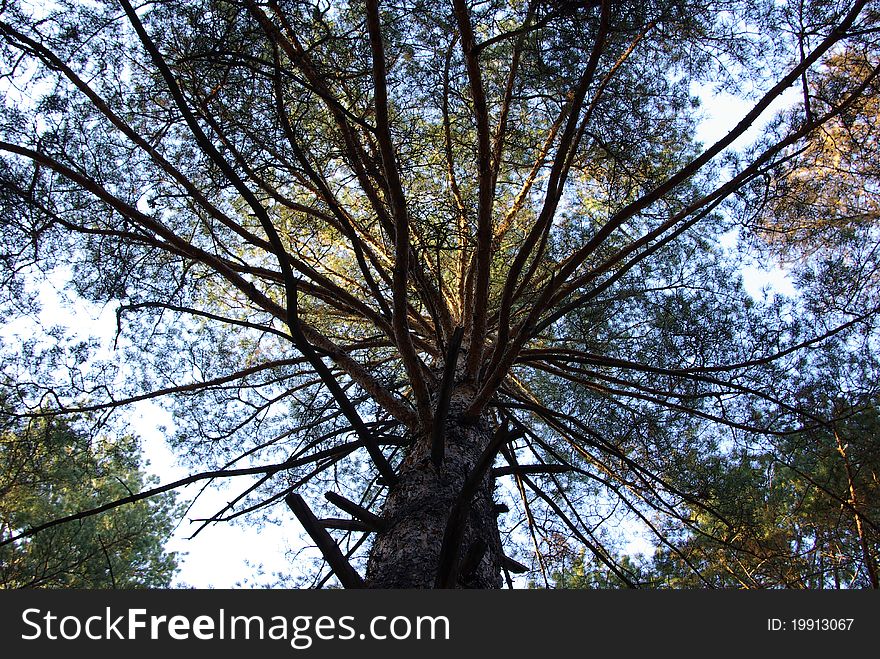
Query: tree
(433, 262)
(824, 193)
(585, 574)
(816, 210)
(50, 471)
(793, 517)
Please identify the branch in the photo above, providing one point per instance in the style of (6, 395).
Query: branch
(176, 244)
(374, 522)
(344, 221)
(290, 284)
(345, 404)
(514, 566)
(53, 62)
(477, 310)
(592, 438)
(345, 524)
(597, 550)
(449, 368)
(447, 570)
(539, 232)
(520, 470)
(629, 504)
(185, 388)
(346, 574)
(700, 161)
(400, 276)
(146, 494)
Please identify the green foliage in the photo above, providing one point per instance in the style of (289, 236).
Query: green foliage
(800, 514)
(584, 574)
(48, 470)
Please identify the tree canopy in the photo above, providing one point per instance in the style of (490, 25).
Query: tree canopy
(49, 471)
(793, 518)
(465, 269)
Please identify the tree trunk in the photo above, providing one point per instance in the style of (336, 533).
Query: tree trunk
(407, 553)
(870, 565)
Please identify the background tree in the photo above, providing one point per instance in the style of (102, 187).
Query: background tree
(823, 196)
(816, 209)
(794, 516)
(435, 262)
(49, 471)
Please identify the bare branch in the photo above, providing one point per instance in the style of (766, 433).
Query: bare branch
(338, 563)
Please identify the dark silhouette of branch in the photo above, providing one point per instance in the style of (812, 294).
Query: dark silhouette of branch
(447, 570)
(443, 397)
(343, 570)
(373, 521)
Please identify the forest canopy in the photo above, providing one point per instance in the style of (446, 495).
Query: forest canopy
(49, 471)
(456, 283)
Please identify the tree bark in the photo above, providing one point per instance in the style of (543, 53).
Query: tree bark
(407, 553)
(870, 565)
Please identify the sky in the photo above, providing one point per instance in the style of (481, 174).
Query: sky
(222, 555)
(722, 111)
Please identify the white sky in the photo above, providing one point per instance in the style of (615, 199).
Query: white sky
(722, 112)
(222, 555)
